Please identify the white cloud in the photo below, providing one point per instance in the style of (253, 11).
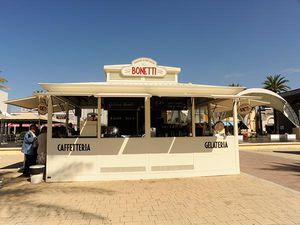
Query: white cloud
(291, 70)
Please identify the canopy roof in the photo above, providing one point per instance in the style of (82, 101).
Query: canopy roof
(26, 117)
(275, 101)
(27, 103)
(221, 96)
(32, 102)
(266, 98)
(167, 89)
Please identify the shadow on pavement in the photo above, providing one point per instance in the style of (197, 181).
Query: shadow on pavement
(21, 198)
(293, 167)
(13, 166)
(288, 152)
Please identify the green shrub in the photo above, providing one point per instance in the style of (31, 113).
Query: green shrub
(22, 134)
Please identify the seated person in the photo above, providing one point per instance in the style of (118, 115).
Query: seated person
(71, 130)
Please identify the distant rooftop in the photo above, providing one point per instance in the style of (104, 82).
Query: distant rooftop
(290, 93)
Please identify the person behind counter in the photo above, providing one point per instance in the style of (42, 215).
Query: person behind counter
(71, 130)
(29, 148)
(59, 132)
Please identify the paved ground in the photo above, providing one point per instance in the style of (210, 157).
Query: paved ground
(290, 153)
(240, 199)
(281, 167)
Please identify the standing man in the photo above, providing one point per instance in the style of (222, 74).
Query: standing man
(29, 148)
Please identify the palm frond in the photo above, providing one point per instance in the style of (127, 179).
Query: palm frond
(276, 83)
(2, 80)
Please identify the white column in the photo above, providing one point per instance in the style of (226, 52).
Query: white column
(147, 117)
(99, 118)
(49, 130)
(236, 133)
(49, 122)
(235, 119)
(193, 118)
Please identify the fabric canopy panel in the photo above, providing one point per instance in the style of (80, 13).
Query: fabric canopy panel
(275, 100)
(26, 117)
(227, 104)
(28, 103)
(33, 102)
(264, 97)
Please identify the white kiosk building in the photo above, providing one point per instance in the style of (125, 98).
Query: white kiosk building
(144, 125)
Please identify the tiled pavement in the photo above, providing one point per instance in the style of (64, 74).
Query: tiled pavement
(240, 199)
(281, 168)
(287, 153)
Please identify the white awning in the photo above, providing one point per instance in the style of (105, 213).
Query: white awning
(27, 103)
(27, 117)
(32, 102)
(266, 98)
(275, 101)
(132, 95)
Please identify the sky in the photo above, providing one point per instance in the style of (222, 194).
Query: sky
(214, 42)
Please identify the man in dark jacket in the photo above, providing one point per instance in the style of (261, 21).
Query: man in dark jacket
(29, 148)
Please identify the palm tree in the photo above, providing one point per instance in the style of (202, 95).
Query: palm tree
(2, 81)
(235, 85)
(277, 84)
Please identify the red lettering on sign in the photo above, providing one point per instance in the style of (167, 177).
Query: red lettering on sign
(133, 70)
(143, 70)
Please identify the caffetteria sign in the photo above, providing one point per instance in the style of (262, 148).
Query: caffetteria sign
(143, 67)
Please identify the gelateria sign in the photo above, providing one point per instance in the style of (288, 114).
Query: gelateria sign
(216, 144)
(143, 67)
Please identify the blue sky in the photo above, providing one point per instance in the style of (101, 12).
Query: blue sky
(214, 41)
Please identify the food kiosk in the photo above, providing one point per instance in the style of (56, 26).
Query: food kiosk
(144, 125)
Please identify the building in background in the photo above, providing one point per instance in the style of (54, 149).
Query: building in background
(264, 120)
(293, 98)
(3, 98)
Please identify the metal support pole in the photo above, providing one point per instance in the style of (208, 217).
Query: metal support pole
(78, 125)
(67, 113)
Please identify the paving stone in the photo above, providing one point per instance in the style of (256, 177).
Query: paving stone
(239, 199)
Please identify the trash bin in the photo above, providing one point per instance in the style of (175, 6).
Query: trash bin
(36, 173)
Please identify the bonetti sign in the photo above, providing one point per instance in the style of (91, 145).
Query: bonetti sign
(143, 67)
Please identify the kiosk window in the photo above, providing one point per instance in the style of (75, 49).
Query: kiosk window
(124, 117)
(78, 117)
(171, 117)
